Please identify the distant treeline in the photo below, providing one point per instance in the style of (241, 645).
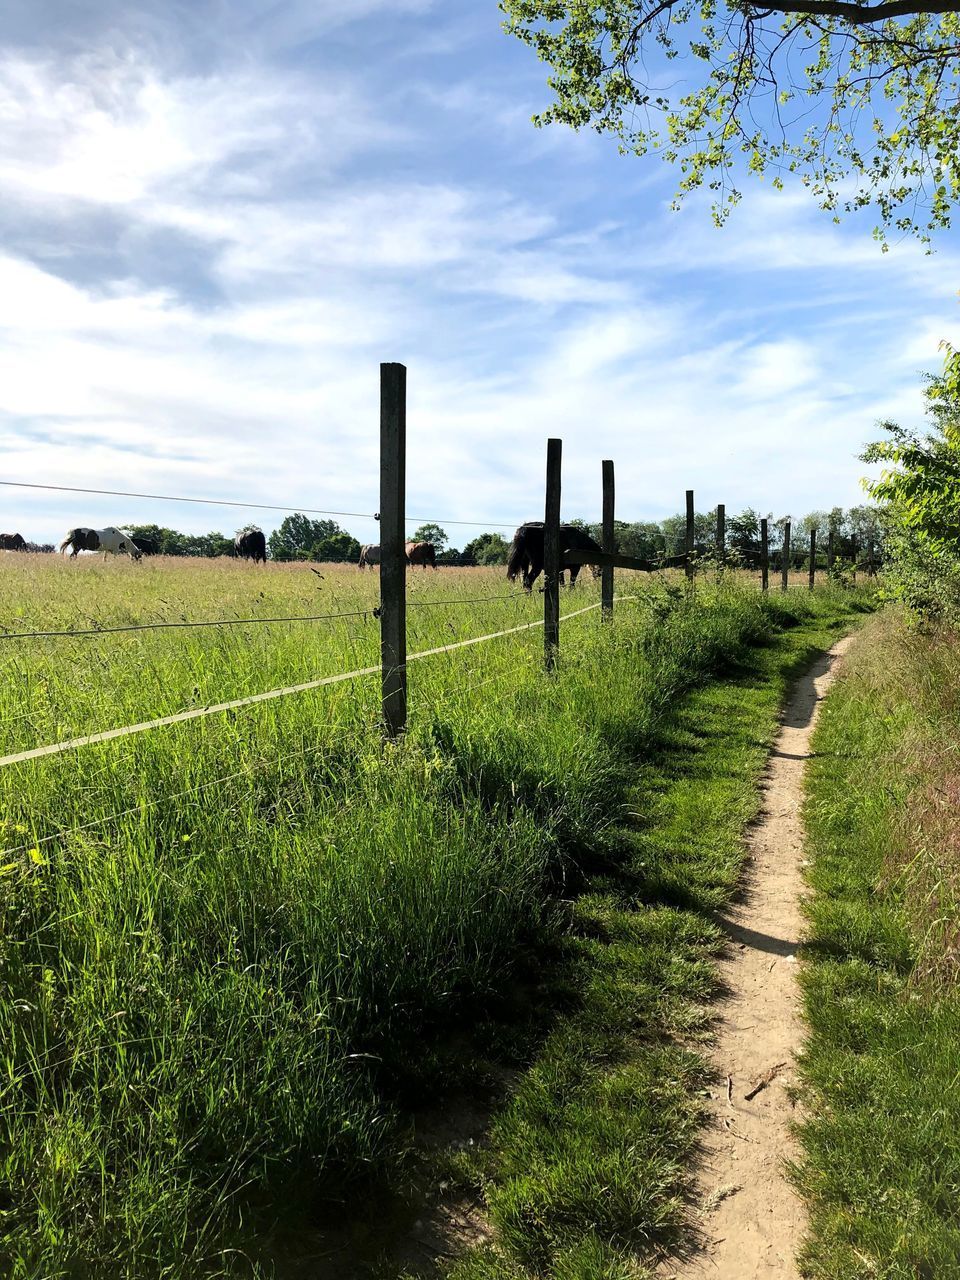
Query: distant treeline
(301, 538)
(649, 539)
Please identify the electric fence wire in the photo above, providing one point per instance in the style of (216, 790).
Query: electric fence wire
(246, 506)
(372, 612)
(166, 497)
(160, 626)
(194, 713)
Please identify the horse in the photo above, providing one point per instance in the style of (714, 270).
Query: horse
(526, 552)
(422, 553)
(12, 542)
(250, 544)
(147, 546)
(369, 556)
(111, 540)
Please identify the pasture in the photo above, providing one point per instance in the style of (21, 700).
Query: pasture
(225, 940)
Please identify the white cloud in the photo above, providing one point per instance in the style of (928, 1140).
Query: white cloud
(528, 301)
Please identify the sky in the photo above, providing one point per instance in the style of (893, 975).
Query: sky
(217, 217)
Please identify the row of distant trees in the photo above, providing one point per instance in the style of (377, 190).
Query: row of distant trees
(648, 539)
(298, 538)
(301, 538)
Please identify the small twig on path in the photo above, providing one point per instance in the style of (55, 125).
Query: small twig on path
(729, 1091)
(764, 1080)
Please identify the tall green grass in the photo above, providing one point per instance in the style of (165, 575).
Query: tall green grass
(206, 1002)
(881, 1169)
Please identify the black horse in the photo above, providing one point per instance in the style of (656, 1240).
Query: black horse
(526, 552)
(146, 546)
(250, 544)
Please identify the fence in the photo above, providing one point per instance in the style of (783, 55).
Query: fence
(393, 384)
(392, 610)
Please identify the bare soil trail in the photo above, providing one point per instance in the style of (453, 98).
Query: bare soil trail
(751, 1221)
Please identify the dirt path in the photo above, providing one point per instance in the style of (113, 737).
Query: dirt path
(750, 1218)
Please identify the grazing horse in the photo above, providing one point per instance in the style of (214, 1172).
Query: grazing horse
(147, 546)
(369, 556)
(250, 544)
(422, 553)
(111, 540)
(12, 542)
(526, 551)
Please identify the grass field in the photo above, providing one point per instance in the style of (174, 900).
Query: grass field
(882, 1142)
(207, 1003)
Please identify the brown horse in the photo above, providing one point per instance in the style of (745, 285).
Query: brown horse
(422, 553)
(526, 552)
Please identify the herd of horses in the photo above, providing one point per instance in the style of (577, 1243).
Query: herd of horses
(249, 543)
(421, 553)
(525, 559)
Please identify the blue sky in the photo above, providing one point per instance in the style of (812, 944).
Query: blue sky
(218, 217)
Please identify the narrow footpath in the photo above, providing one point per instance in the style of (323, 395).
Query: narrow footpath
(751, 1221)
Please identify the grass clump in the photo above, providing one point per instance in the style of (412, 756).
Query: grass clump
(881, 1163)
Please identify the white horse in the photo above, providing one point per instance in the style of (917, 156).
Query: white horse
(113, 540)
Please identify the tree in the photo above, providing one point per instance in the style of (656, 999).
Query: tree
(743, 534)
(431, 533)
(167, 541)
(488, 548)
(858, 100)
(451, 556)
(300, 538)
(336, 548)
(674, 530)
(920, 492)
(642, 539)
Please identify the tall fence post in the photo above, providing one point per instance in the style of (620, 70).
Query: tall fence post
(813, 558)
(830, 553)
(606, 574)
(721, 534)
(854, 548)
(689, 538)
(785, 554)
(393, 560)
(764, 556)
(551, 556)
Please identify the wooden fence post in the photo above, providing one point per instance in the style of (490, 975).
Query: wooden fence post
(393, 559)
(785, 557)
(721, 534)
(689, 537)
(813, 558)
(764, 556)
(551, 556)
(606, 575)
(830, 553)
(855, 551)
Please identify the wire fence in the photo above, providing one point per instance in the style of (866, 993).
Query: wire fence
(164, 626)
(249, 506)
(254, 767)
(235, 704)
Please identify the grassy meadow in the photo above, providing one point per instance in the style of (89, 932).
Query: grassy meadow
(882, 1140)
(228, 945)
